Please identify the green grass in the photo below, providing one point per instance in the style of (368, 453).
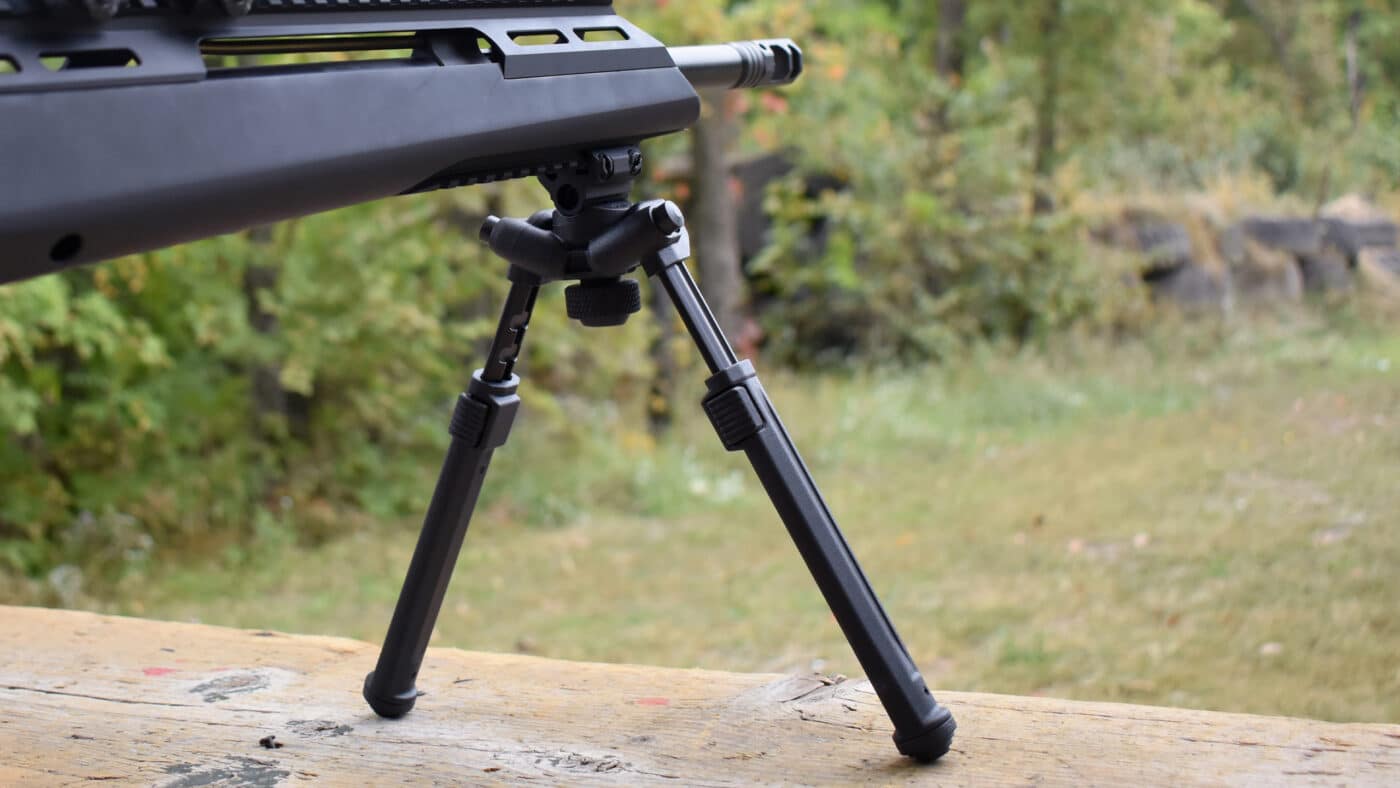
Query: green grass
(1208, 521)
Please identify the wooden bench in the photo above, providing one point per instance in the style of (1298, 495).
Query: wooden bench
(91, 698)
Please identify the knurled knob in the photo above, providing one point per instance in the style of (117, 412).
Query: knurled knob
(603, 302)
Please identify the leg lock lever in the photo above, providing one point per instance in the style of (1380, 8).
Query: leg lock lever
(732, 408)
(485, 412)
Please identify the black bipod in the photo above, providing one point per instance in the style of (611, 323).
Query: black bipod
(595, 235)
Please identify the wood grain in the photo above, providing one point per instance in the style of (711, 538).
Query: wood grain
(87, 698)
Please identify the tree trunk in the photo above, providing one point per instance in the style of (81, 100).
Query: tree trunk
(276, 410)
(949, 55)
(1042, 201)
(663, 380)
(1043, 166)
(269, 400)
(1279, 23)
(1354, 80)
(713, 217)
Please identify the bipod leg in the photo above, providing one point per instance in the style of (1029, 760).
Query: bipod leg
(745, 419)
(479, 424)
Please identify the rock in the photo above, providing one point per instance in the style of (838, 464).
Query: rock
(1262, 274)
(1325, 272)
(1354, 209)
(1165, 244)
(1379, 272)
(1351, 238)
(754, 174)
(1231, 244)
(1297, 236)
(751, 177)
(1353, 223)
(1386, 259)
(1192, 287)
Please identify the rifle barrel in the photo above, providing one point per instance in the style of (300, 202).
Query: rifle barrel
(740, 64)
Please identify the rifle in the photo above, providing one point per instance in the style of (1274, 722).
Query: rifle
(128, 125)
(160, 125)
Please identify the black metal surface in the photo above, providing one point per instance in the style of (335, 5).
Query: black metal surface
(685, 294)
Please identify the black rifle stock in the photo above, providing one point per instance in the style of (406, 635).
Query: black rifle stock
(128, 125)
(160, 126)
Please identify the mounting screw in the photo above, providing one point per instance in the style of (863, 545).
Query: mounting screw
(487, 226)
(604, 170)
(634, 161)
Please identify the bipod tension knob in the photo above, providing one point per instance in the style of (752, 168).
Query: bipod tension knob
(603, 302)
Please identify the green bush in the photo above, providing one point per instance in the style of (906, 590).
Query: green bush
(128, 416)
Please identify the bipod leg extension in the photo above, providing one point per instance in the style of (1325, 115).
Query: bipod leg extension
(746, 421)
(479, 424)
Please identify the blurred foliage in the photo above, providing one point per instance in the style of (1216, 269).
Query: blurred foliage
(927, 239)
(129, 421)
(129, 412)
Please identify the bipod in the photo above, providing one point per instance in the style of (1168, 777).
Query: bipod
(595, 235)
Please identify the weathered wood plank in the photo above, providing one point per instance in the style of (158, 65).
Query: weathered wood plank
(89, 698)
